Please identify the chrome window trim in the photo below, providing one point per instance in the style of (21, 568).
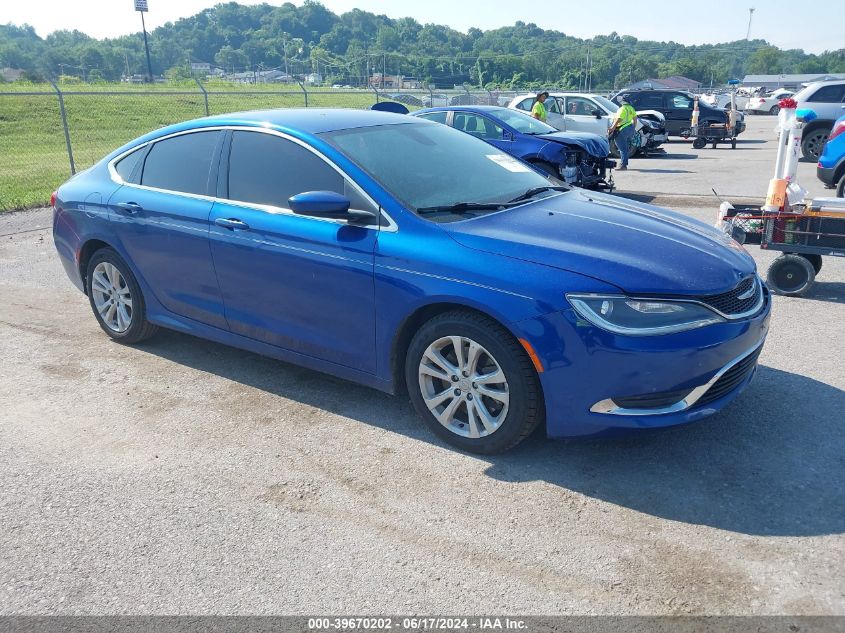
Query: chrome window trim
(609, 407)
(390, 227)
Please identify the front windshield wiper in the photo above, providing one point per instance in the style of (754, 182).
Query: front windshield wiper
(464, 207)
(535, 190)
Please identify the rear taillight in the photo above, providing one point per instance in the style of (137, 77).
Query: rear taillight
(52, 199)
(836, 131)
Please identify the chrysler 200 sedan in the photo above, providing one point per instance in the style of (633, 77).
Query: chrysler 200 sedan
(406, 255)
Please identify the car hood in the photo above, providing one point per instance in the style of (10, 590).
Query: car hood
(593, 144)
(636, 247)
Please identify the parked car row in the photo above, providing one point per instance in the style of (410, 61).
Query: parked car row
(578, 112)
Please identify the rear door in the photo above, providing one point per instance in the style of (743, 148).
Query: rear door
(160, 216)
(297, 282)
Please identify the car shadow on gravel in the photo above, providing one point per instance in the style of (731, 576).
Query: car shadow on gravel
(771, 463)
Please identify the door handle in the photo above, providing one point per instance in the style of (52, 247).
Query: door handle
(231, 223)
(130, 208)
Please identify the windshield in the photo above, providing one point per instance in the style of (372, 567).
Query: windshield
(607, 103)
(430, 164)
(522, 122)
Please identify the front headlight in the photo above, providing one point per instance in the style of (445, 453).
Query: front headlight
(641, 317)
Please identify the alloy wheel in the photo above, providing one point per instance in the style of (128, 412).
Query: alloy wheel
(112, 298)
(463, 386)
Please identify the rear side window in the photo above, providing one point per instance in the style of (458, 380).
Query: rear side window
(128, 166)
(651, 101)
(181, 163)
(266, 169)
(439, 117)
(525, 104)
(828, 94)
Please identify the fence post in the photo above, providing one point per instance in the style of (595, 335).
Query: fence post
(204, 94)
(64, 125)
(376, 91)
(430, 96)
(490, 98)
(304, 91)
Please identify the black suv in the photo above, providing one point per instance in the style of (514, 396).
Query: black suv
(676, 106)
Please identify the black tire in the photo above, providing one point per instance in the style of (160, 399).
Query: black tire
(525, 407)
(699, 143)
(774, 110)
(139, 328)
(733, 143)
(790, 275)
(840, 188)
(813, 144)
(815, 260)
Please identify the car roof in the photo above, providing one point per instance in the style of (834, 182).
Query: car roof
(298, 121)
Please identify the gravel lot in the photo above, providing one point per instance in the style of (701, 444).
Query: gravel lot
(182, 476)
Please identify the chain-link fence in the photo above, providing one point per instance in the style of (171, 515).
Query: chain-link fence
(48, 132)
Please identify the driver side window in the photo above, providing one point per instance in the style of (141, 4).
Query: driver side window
(267, 169)
(680, 102)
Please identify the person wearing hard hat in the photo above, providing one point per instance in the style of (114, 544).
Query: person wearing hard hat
(623, 129)
(538, 110)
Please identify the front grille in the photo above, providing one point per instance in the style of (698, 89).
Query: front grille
(731, 379)
(729, 302)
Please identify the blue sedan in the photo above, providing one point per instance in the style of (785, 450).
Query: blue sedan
(408, 256)
(577, 158)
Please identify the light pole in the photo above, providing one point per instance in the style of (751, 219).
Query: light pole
(141, 7)
(750, 15)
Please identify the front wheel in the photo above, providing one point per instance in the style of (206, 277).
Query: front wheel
(791, 275)
(840, 188)
(774, 110)
(116, 298)
(473, 383)
(699, 143)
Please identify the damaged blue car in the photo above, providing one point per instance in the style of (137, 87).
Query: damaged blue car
(578, 158)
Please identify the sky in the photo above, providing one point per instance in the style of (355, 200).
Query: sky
(817, 27)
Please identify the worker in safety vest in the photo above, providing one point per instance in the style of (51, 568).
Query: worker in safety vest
(538, 110)
(623, 129)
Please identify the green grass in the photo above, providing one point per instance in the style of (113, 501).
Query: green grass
(33, 156)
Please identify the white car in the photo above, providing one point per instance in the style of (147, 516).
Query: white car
(767, 105)
(579, 112)
(722, 100)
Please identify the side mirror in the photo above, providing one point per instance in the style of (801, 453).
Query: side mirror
(328, 204)
(597, 113)
(507, 136)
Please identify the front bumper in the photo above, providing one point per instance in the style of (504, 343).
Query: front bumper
(585, 367)
(825, 174)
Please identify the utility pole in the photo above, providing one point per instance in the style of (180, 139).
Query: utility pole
(750, 15)
(383, 68)
(141, 7)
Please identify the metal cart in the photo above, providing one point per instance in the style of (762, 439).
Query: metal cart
(802, 235)
(714, 134)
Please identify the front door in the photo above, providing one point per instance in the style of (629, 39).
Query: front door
(678, 113)
(300, 283)
(580, 116)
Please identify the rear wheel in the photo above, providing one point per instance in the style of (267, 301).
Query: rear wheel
(813, 144)
(790, 275)
(473, 383)
(774, 110)
(116, 298)
(699, 143)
